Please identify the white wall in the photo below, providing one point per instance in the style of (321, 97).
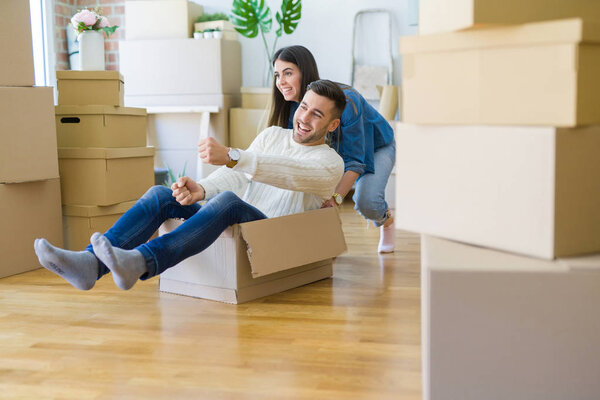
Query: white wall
(326, 30)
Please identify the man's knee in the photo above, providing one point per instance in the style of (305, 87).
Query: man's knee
(226, 198)
(159, 192)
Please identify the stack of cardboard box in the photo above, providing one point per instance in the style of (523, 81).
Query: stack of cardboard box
(29, 180)
(500, 150)
(104, 162)
(246, 122)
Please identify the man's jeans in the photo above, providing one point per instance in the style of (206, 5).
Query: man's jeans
(202, 227)
(369, 192)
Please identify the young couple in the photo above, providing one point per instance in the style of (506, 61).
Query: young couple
(287, 172)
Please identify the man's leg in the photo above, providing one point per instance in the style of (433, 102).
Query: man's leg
(193, 236)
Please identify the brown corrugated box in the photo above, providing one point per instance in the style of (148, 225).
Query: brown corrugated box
(80, 222)
(105, 176)
(243, 126)
(16, 68)
(534, 74)
(259, 258)
(29, 210)
(27, 133)
(255, 97)
(100, 126)
(90, 88)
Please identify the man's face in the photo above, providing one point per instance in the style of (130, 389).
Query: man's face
(313, 119)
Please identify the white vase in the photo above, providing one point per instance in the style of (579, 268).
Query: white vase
(208, 35)
(218, 34)
(91, 50)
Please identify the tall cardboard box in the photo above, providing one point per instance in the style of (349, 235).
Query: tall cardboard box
(528, 190)
(533, 74)
(29, 210)
(16, 68)
(451, 15)
(498, 326)
(243, 126)
(27, 134)
(259, 258)
(90, 88)
(80, 222)
(105, 176)
(256, 97)
(100, 126)
(176, 18)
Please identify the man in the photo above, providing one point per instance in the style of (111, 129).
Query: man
(287, 171)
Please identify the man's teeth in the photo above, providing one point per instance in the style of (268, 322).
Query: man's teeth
(303, 130)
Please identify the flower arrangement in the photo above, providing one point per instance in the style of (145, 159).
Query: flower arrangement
(92, 20)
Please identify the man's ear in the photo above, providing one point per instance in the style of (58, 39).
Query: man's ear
(333, 125)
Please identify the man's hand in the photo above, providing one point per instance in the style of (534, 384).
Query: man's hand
(213, 152)
(329, 203)
(186, 191)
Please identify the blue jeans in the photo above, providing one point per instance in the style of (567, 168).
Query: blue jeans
(369, 192)
(202, 227)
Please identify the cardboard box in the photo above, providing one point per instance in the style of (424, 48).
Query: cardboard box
(450, 15)
(80, 222)
(90, 88)
(499, 326)
(16, 69)
(105, 176)
(528, 190)
(259, 258)
(226, 27)
(180, 67)
(535, 74)
(243, 126)
(256, 97)
(176, 18)
(28, 135)
(29, 210)
(100, 126)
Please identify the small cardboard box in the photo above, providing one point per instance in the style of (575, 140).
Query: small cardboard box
(180, 67)
(451, 15)
(243, 126)
(90, 88)
(176, 18)
(100, 126)
(226, 27)
(29, 210)
(529, 190)
(256, 97)
(28, 136)
(80, 222)
(499, 326)
(105, 176)
(259, 258)
(16, 68)
(534, 74)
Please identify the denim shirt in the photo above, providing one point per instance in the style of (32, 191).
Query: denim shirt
(361, 133)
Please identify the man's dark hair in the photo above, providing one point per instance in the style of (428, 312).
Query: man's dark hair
(332, 91)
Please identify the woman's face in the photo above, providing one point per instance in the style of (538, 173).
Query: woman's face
(288, 79)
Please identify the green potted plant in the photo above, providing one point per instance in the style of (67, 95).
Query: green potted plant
(198, 34)
(217, 33)
(208, 33)
(213, 21)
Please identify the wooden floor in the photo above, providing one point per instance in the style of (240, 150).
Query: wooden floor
(356, 336)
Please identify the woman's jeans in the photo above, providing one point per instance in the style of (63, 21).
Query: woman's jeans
(369, 192)
(202, 227)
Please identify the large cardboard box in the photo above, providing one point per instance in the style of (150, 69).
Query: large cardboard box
(534, 74)
(100, 126)
(243, 126)
(16, 68)
(105, 176)
(176, 18)
(259, 258)
(528, 190)
(450, 15)
(90, 87)
(28, 135)
(180, 68)
(80, 222)
(256, 97)
(497, 326)
(29, 210)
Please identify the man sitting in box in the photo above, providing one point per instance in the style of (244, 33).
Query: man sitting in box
(289, 171)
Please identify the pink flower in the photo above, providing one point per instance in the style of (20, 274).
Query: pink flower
(88, 17)
(103, 22)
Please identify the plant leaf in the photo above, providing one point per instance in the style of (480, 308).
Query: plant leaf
(291, 12)
(248, 16)
(109, 30)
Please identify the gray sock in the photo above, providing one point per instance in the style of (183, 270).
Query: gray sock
(126, 265)
(79, 268)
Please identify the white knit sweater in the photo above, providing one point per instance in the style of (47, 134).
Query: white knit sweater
(283, 177)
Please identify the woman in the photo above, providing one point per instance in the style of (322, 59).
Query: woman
(364, 139)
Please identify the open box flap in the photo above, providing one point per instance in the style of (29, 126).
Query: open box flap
(277, 244)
